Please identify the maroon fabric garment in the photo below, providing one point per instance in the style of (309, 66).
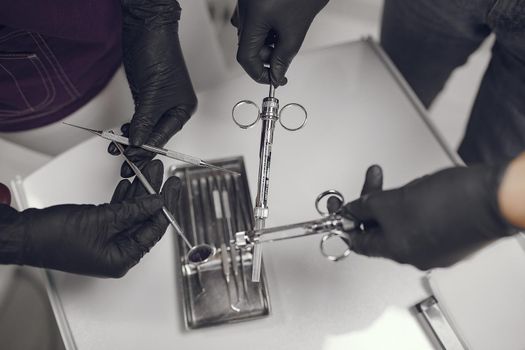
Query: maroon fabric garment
(55, 55)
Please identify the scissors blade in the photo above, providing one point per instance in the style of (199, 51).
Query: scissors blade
(93, 131)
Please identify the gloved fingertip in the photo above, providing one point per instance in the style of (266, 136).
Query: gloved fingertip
(375, 170)
(155, 165)
(278, 78)
(171, 191)
(153, 170)
(113, 150)
(125, 129)
(234, 20)
(126, 171)
(373, 180)
(333, 204)
(173, 183)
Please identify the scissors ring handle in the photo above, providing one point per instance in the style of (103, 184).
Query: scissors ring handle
(320, 197)
(343, 236)
(282, 114)
(242, 103)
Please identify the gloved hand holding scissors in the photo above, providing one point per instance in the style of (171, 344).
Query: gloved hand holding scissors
(279, 23)
(433, 221)
(157, 75)
(104, 240)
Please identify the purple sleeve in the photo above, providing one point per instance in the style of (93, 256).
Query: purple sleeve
(79, 20)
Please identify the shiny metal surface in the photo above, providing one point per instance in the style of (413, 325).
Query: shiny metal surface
(269, 115)
(212, 207)
(118, 139)
(332, 226)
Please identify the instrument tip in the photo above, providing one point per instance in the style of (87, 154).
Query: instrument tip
(215, 167)
(81, 127)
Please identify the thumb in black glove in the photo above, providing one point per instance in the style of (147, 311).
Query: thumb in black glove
(104, 240)
(433, 221)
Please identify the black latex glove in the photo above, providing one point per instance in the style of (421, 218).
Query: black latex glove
(104, 240)
(433, 221)
(157, 75)
(264, 24)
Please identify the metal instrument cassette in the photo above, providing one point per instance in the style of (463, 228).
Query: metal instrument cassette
(214, 205)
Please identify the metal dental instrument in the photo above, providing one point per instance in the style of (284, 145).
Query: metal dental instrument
(197, 254)
(269, 116)
(158, 150)
(194, 229)
(224, 251)
(233, 250)
(240, 218)
(332, 225)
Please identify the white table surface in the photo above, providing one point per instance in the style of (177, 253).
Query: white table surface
(358, 115)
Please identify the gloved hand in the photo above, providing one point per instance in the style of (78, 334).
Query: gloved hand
(157, 75)
(433, 221)
(261, 24)
(104, 240)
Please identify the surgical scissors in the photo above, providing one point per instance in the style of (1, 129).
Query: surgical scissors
(269, 115)
(332, 225)
(157, 150)
(197, 254)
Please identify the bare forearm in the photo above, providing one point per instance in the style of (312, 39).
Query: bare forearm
(511, 195)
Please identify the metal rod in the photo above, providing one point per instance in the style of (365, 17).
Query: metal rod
(208, 229)
(158, 150)
(192, 208)
(240, 218)
(306, 228)
(257, 253)
(193, 223)
(233, 250)
(224, 250)
(199, 216)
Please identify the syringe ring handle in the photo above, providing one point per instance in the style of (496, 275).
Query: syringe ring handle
(236, 114)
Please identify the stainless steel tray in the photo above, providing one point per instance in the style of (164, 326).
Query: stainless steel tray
(207, 297)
